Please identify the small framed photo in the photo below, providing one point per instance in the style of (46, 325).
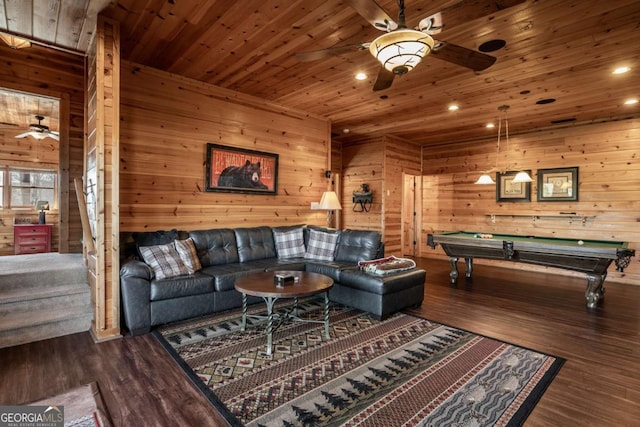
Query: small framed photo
(238, 170)
(509, 191)
(558, 185)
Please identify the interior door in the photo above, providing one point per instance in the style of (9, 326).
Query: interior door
(409, 214)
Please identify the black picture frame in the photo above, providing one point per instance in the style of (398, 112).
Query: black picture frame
(239, 170)
(509, 191)
(558, 184)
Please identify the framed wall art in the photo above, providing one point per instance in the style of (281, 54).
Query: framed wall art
(238, 170)
(558, 185)
(509, 191)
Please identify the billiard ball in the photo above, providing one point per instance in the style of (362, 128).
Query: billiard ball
(580, 242)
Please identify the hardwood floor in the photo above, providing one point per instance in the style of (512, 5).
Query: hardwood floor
(599, 385)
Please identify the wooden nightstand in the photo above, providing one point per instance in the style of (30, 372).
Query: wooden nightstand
(32, 238)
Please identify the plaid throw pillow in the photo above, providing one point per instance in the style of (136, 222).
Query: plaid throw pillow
(321, 246)
(164, 260)
(188, 254)
(290, 243)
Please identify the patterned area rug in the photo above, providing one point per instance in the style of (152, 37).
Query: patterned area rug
(404, 370)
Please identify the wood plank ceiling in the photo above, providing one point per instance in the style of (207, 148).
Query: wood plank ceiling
(562, 50)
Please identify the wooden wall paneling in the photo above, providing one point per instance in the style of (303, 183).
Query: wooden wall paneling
(399, 157)
(103, 166)
(609, 187)
(363, 162)
(166, 122)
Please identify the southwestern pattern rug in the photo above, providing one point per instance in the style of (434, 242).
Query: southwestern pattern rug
(403, 370)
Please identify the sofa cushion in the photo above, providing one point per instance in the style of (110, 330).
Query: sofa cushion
(224, 276)
(321, 246)
(255, 243)
(188, 254)
(215, 246)
(382, 285)
(357, 245)
(289, 244)
(181, 287)
(164, 260)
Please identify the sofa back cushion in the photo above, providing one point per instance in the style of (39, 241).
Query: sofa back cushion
(255, 243)
(357, 245)
(215, 246)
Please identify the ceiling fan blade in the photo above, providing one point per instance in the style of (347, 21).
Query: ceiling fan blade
(477, 61)
(315, 55)
(23, 135)
(468, 10)
(54, 135)
(384, 80)
(372, 12)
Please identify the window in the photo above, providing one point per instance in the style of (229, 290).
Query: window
(22, 188)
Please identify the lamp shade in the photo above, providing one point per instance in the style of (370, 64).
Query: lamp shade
(522, 177)
(401, 50)
(485, 179)
(329, 201)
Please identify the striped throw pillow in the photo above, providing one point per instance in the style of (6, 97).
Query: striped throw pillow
(290, 243)
(188, 254)
(164, 260)
(321, 245)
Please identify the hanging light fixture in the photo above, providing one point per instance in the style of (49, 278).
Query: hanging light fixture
(399, 51)
(520, 176)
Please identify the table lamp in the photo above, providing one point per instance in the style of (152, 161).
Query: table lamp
(42, 205)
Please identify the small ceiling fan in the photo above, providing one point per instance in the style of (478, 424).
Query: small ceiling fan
(39, 131)
(401, 48)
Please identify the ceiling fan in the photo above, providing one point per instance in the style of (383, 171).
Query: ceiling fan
(401, 48)
(39, 131)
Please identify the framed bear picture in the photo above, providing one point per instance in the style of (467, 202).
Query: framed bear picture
(238, 170)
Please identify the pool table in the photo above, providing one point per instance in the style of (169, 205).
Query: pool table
(589, 256)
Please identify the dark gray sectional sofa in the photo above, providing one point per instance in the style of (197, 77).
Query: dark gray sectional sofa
(226, 254)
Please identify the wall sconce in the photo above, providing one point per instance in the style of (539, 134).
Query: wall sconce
(42, 205)
(362, 198)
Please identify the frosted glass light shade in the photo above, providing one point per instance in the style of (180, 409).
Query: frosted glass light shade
(522, 177)
(401, 50)
(485, 179)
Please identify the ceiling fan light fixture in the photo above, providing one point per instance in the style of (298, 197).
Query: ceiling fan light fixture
(15, 42)
(401, 50)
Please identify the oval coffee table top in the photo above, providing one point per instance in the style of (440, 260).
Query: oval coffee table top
(263, 285)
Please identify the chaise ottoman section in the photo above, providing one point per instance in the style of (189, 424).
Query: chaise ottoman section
(381, 296)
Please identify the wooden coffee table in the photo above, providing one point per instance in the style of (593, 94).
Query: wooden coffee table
(262, 285)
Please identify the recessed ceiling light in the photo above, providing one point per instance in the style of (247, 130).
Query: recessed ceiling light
(453, 107)
(361, 76)
(621, 70)
(631, 101)
(490, 125)
(346, 130)
(492, 45)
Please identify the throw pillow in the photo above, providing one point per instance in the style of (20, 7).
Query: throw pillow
(164, 260)
(289, 244)
(188, 254)
(322, 246)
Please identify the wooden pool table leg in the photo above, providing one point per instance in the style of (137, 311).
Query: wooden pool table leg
(595, 290)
